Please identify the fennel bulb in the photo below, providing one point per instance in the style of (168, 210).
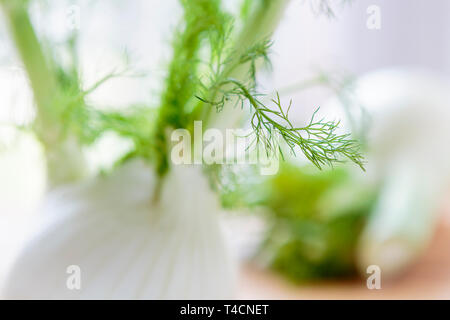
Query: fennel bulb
(409, 115)
(125, 246)
(110, 231)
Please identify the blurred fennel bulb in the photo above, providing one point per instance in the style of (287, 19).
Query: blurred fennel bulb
(126, 246)
(407, 139)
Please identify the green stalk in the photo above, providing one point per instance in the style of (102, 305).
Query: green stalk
(259, 26)
(200, 15)
(64, 160)
(42, 80)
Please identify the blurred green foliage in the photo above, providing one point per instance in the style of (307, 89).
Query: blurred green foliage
(315, 219)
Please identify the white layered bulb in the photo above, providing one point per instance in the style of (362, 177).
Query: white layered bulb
(110, 233)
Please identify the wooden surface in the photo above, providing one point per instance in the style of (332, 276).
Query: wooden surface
(429, 278)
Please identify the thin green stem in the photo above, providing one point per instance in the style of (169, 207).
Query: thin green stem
(258, 27)
(42, 80)
(64, 160)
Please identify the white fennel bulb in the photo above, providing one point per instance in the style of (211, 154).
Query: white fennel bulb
(408, 157)
(124, 244)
